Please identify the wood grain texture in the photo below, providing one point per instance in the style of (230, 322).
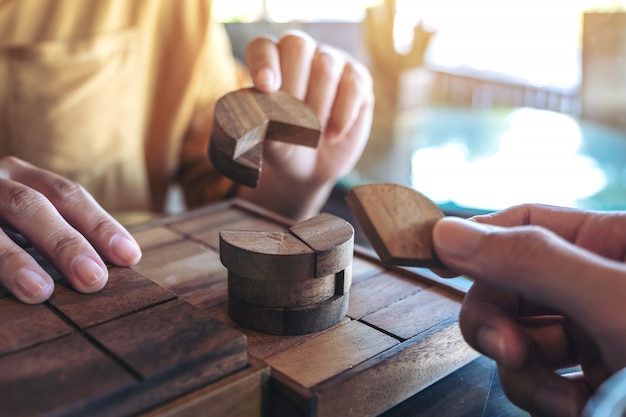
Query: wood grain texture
(330, 353)
(398, 222)
(245, 118)
(368, 296)
(173, 336)
(281, 293)
(404, 320)
(126, 292)
(332, 239)
(242, 394)
(25, 325)
(266, 255)
(394, 375)
(57, 379)
(155, 237)
(292, 321)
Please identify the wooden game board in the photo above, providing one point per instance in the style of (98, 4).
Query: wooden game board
(400, 334)
(132, 347)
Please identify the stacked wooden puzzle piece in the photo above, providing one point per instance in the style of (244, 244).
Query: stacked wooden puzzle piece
(289, 282)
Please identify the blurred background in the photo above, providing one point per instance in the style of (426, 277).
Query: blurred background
(479, 104)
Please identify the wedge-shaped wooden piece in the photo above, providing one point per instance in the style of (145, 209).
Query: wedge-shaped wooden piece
(332, 239)
(245, 118)
(266, 255)
(398, 222)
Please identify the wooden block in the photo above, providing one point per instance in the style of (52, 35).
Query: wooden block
(417, 313)
(179, 264)
(245, 118)
(243, 394)
(196, 223)
(156, 236)
(332, 239)
(377, 384)
(330, 353)
(25, 325)
(282, 321)
(266, 255)
(281, 293)
(398, 222)
(126, 292)
(174, 336)
(65, 377)
(368, 296)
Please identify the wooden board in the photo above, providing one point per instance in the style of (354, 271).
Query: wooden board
(400, 334)
(125, 350)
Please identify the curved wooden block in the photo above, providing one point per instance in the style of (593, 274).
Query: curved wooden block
(398, 222)
(281, 293)
(332, 239)
(243, 119)
(266, 255)
(281, 321)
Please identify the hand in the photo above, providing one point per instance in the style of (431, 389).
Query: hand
(296, 180)
(549, 293)
(63, 222)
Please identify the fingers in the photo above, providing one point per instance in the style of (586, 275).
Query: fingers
(494, 324)
(534, 264)
(542, 392)
(263, 61)
(21, 275)
(65, 224)
(331, 82)
(296, 50)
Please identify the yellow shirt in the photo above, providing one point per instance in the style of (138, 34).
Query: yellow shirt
(117, 95)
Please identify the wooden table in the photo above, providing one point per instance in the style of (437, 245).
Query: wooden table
(400, 336)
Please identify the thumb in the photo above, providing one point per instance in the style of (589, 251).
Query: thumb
(533, 263)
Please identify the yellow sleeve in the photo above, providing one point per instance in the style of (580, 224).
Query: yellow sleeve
(220, 72)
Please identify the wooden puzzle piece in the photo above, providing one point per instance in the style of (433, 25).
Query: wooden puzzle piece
(398, 222)
(25, 325)
(60, 378)
(125, 292)
(332, 239)
(281, 293)
(264, 255)
(289, 283)
(139, 340)
(289, 321)
(245, 118)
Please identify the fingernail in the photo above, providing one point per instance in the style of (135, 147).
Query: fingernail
(88, 271)
(31, 283)
(491, 343)
(125, 250)
(457, 237)
(265, 78)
